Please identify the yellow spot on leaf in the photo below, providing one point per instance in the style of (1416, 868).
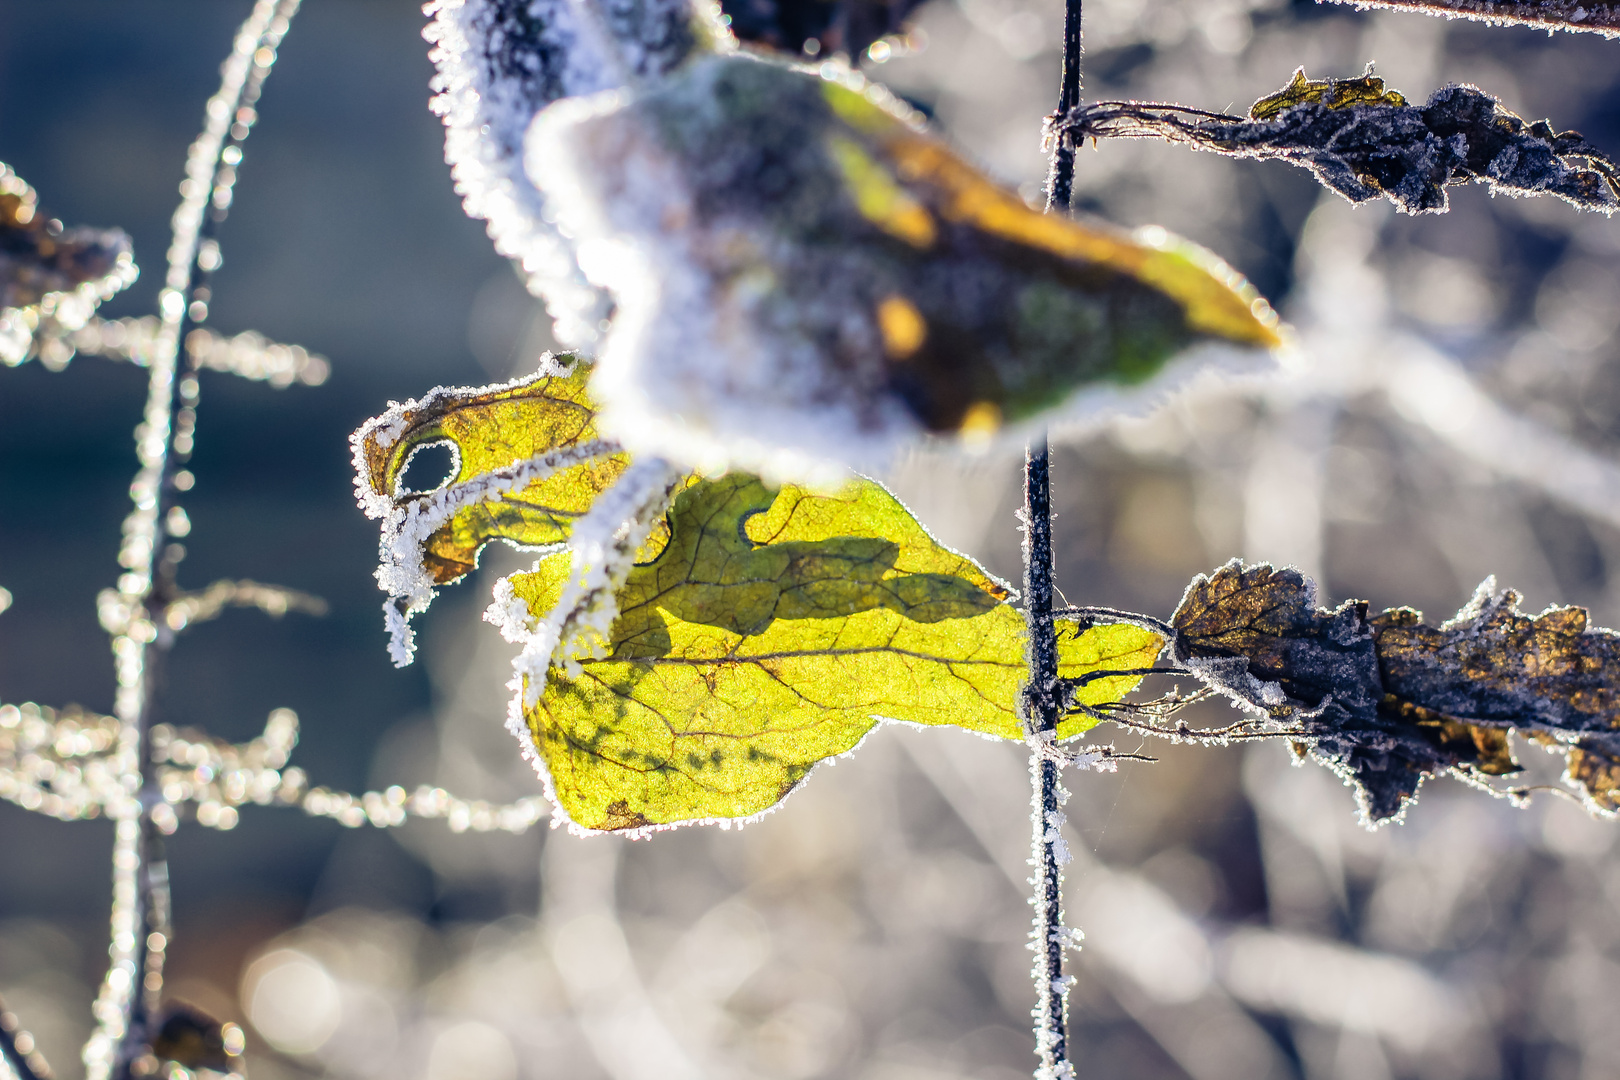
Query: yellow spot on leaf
(879, 198)
(903, 327)
(982, 420)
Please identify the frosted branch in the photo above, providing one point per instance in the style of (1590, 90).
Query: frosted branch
(601, 548)
(274, 600)
(131, 989)
(249, 354)
(63, 764)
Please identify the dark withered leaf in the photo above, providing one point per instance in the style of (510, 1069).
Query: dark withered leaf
(1386, 701)
(849, 26)
(1366, 142)
(187, 1035)
(41, 262)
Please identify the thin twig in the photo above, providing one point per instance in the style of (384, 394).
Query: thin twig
(1042, 698)
(131, 991)
(1041, 708)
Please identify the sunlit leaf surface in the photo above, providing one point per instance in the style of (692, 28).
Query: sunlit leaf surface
(774, 629)
(1387, 701)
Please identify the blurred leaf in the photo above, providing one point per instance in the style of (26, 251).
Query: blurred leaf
(1366, 142)
(848, 26)
(867, 280)
(1597, 17)
(1387, 701)
(773, 630)
(190, 1037)
(48, 273)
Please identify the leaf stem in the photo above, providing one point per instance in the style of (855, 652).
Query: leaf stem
(131, 991)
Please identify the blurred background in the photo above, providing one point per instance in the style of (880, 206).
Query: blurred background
(1455, 412)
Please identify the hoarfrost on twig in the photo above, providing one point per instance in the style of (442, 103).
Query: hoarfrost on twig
(62, 763)
(248, 354)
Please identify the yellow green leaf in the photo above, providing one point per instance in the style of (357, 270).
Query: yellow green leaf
(1334, 93)
(492, 428)
(773, 629)
(529, 462)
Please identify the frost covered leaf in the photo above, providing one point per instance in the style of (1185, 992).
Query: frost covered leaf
(804, 274)
(498, 62)
(50, 276)
(1598, 17)
(1366, 142)
(772, 629)
(528, 463)
(1387, 701)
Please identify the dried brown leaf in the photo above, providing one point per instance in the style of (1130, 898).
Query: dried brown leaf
(1366, 142)
(1387, 701)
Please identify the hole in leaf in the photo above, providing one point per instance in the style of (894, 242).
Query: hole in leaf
(429, 468)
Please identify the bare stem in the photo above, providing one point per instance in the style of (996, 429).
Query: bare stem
(131, 992)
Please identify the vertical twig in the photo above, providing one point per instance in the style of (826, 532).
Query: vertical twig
(1041, 703)
(131, 991)
(1041, 708)
(1060, 179)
